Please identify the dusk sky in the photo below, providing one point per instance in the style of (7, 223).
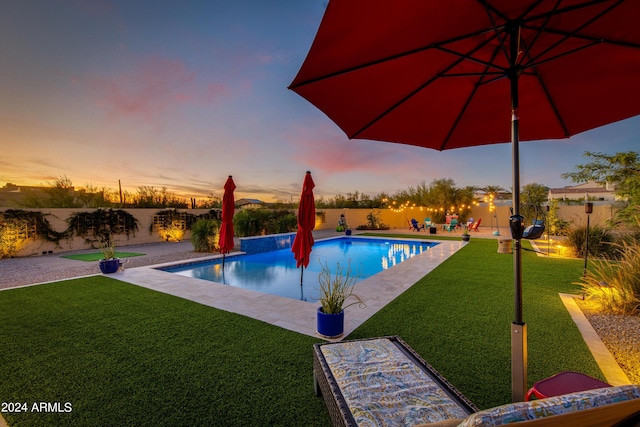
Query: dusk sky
(180, 94)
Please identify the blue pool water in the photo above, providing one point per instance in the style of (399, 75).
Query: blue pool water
(275, 272)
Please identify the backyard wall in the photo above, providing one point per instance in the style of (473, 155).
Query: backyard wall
(490, 219)
(57, 219)
(354, 217)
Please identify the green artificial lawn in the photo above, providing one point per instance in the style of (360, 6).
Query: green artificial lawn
(459, 319)
(95, 256)
(125, 355)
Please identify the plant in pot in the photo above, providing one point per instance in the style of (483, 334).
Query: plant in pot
(109, 263)
(342, 225)
(335, 291)
(465, 236)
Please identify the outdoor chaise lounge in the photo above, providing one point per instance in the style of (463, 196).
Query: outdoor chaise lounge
(415, 226)
(383, 382)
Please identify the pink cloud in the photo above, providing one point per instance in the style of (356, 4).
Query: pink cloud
(153, 87)
(326, 149)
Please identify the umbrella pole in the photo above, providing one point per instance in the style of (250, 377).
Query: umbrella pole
(223, 256)
(301, 274)
(518, 327)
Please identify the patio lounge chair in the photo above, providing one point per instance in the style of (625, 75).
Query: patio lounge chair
(342, 372)
(407, 389)
(452, 225)
(415, 226)
(475, 225)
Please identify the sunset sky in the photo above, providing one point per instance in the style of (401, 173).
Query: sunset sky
(180, 94)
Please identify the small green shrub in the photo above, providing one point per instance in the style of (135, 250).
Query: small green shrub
(108, 249)
(555, 225)
(205, 234)
(601, 242)
(616, 284)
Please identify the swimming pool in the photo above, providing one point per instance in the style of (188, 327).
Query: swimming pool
(275, 272)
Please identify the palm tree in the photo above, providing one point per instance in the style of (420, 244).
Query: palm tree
(494, 190)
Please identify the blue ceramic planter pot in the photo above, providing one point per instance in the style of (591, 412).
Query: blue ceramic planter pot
(108, 266)
(330, 325)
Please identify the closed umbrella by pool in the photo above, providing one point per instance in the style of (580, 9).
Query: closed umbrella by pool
(226, 228)
(450, 74)
(303, 241)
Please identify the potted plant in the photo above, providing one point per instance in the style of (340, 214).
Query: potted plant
(334, 293)
(342, 225)
(109, 263)
(465, 236)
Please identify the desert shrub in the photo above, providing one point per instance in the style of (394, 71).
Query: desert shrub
(205, 234)
(373, 222)
(283, 222)
(172, 232)
(616, 284)
(601, 242)
(101, 224)
(11, 240)
(555, 225)
(250, 222)
(256, 222)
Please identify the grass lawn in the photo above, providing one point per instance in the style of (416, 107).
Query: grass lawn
(124, 355)
(95, 256)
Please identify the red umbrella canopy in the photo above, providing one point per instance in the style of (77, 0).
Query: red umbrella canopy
(303, 241)
(228, 209)
(437, 73)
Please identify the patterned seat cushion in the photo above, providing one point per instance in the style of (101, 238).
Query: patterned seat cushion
(524, 411)
(384, 387)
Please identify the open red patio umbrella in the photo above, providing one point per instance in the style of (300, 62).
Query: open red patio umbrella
(450, 74)
(226, 228)
(303, 241)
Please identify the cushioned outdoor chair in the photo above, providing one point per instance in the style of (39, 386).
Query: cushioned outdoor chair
(427, 222)
(534, 231)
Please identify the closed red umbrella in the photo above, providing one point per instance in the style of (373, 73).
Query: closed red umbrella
(228, 209)
(303, 241)
(450, 74)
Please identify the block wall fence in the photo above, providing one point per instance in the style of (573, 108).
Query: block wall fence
(354, 217)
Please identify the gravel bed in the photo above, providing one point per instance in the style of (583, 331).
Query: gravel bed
(40, 269)
(621, 335)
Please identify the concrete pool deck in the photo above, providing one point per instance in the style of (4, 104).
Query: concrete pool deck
(295, 315)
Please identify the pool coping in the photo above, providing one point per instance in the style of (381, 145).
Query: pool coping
(295, 315)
